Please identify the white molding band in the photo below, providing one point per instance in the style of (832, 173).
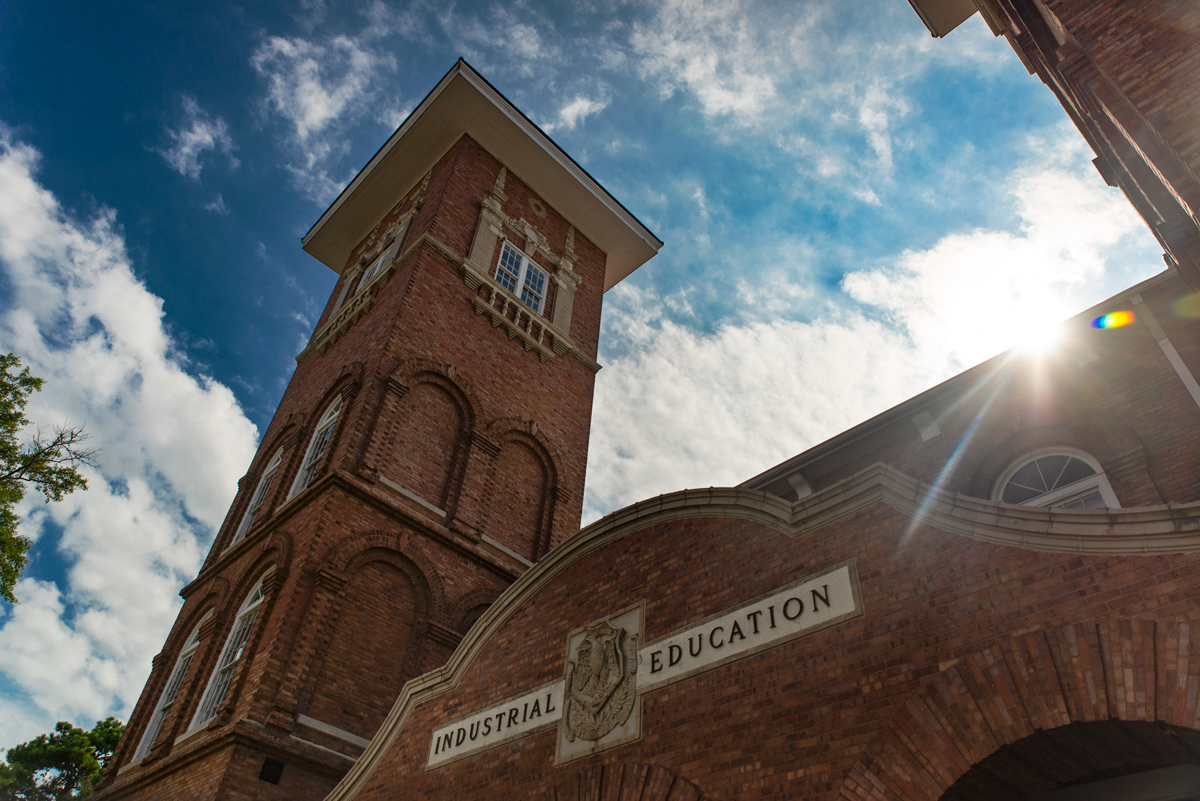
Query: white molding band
(332, 731)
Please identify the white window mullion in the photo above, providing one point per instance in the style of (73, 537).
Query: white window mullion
(317, 447)
(521, 276)
(259, 498)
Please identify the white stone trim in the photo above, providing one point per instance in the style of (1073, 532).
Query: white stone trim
(1097, 481)
(332, 731)
(505, 550)
(412, 496)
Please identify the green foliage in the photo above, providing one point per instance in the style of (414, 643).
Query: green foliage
(66, 763)
(49, 462)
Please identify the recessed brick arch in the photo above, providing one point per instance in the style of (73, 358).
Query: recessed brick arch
(1128, 670)
(510, 427)
(522, 489)
(1079, 753)
(341, 559)
(419, 429)
(622, 781)
(465, 611)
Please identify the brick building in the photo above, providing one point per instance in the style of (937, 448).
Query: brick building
(1127, 72)
(986, 592)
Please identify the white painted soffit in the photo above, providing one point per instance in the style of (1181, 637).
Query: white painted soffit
(943, 16)
(464, 102)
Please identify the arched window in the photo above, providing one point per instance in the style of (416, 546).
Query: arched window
(260, 496)
(317, 447)
(169, 693)
(1061, 478)
(231, 654)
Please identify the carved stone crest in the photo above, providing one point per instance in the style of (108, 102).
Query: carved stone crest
(601, 683)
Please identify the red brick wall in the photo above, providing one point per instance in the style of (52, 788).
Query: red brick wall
(373, 634)
(429, 427)
(518, 499)
(793, 721)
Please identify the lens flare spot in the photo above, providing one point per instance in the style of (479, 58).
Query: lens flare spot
(1038, 337)
(1187, 307)
(1113, 320)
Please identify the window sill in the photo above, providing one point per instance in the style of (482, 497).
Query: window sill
(131, 765)
(193, 731)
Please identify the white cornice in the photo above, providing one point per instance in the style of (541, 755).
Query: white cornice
(463, 102)
(1135, 531)
(943, 16)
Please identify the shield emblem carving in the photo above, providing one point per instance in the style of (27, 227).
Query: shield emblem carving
(601, 682)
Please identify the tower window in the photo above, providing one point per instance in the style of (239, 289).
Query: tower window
(231, 654)
(383, 260)
(317, 447)
(517, 273)
(169, 693)
(259, 497)
(1060, 478)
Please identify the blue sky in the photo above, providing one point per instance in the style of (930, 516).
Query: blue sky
(852, 212)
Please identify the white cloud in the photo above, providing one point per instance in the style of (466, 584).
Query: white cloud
(1019, 279)
(678, 406)
(311, 85)
(711, 49)
(574, 112)
(875, 111)
(217, 205)
(199, 134)
(172, 446)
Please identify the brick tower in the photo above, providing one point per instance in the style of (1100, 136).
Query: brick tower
(430, 447)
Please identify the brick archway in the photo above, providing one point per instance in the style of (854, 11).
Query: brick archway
(1079, 754)
(624, 781)
(1137, 671)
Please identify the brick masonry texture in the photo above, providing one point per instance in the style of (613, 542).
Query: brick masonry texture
(959, 637)
(369, 586)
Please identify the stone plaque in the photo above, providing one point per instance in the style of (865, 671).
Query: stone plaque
(600, 691)
(802, 608)
(514, 718)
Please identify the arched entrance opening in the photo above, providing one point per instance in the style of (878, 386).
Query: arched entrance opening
(1042, 712)
(1110, 760)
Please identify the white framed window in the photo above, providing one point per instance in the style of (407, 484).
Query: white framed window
(169, 694)
(517, 273)
(231, 654)
(1061, 478)
(354, 286)
(317, 447)
(259, 497)
(382, 260)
